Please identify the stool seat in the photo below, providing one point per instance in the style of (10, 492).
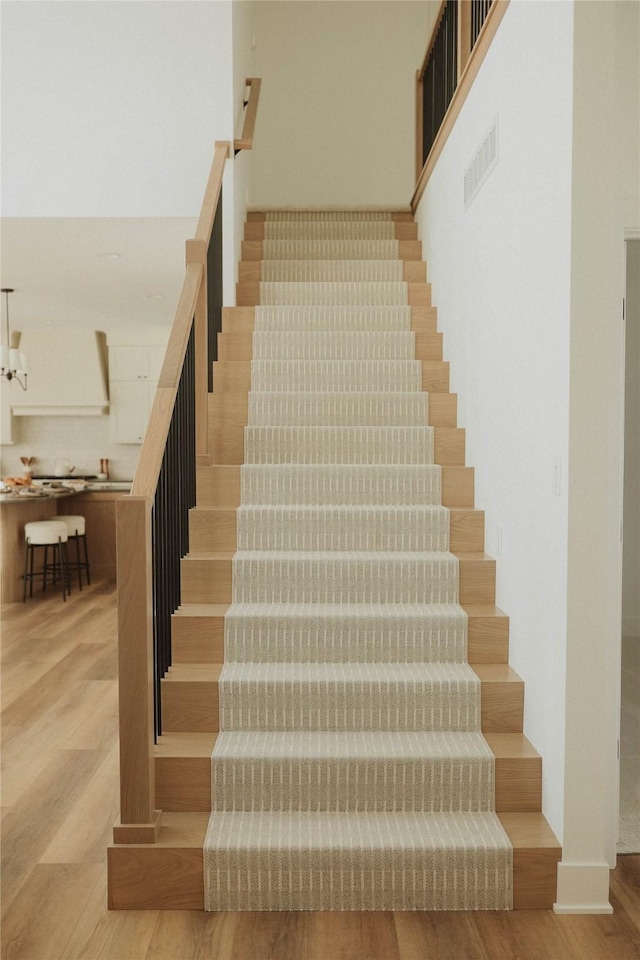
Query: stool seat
(40, 533)
(50, 535)
(75, 524)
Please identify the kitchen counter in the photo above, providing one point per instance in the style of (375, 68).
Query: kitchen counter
(96, 503)
(107, 486)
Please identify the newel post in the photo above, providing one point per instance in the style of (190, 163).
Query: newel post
(139, 820)
(196, 252)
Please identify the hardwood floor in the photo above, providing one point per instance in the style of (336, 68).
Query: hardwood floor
(60, 800)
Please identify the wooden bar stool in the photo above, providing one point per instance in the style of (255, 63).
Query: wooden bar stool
(48, 534)
(76, 532)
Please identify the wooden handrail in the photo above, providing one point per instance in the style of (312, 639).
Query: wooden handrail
(147, 472)
(246, 140)
(212, 192)
(485, 37)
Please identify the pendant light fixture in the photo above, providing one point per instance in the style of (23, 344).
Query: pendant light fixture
(14, 365)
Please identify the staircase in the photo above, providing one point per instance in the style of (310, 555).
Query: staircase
(370, 720)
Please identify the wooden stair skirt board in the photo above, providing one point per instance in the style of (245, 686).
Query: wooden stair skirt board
(170, 873)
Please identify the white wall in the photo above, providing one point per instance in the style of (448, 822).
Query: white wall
(605, 203)
(337, 116)
(243, 67)
(501, 282)
(529, 285)
(111, 109)
(631, 534)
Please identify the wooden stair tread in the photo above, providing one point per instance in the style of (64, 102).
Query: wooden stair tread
(496, 673)
(474, 556)
(185, 744)
(206, 672)
(511, 746)
(483, 610)
(211, 555)
(504, 745)
(528, 831)
(220, 609)
(201, 610)
(193, 673)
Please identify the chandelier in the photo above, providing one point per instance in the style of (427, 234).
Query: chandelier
(13, 363)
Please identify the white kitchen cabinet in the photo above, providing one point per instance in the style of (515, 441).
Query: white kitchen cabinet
(133, 377)
(130, 406)
(135, 362)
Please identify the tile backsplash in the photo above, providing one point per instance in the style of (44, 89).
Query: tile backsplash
(83, 441)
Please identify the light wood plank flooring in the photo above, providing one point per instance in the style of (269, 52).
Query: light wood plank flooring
(60, 800)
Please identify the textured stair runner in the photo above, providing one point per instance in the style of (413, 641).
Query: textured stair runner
(350, 772)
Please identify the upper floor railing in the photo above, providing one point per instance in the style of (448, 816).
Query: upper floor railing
(152, 521)
(461, 36)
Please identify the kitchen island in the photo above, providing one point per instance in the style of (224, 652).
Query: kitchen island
(96, 504)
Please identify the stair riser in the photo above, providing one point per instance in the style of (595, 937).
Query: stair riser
(172, 878)
(414, 705)
(451, 785)
(253, 271)
(219, 486)
(184, 784)
(208, 580)
(255, 230)
(217, 531)
(417, 295)
(229, 411)
(242, 320)
(200, 639)
(239, 347)
(407, 250)
(227, 446)
(396, 216)
(235, 376)
(192, 706)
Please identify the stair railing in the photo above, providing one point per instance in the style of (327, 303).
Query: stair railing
(152, 521)
(461, 36)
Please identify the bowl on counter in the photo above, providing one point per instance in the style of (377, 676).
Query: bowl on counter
(74, 484)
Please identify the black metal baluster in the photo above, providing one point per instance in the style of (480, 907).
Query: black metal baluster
(175, 496)
(214, 291)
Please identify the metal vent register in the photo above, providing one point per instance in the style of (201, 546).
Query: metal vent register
(484, 160)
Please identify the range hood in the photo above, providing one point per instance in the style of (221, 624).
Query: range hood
(67, 374)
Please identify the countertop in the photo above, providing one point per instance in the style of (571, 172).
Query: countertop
(106, 486)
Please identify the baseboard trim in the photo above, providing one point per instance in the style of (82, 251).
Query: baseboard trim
(584, 908)
(583, 888)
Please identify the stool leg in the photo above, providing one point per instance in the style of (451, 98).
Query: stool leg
(86, 559)
(79, 568)
(66, 572)
(62, 561)
(27, 550)
(44, 571)
(32, 553)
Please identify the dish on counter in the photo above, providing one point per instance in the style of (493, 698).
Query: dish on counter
(17, 482)
(75, 484)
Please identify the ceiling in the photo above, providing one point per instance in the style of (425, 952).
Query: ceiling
(64, 272)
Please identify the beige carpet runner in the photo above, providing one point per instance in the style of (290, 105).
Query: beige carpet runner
(349, 772)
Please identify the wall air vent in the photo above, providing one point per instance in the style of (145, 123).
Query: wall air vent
(484, 160)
